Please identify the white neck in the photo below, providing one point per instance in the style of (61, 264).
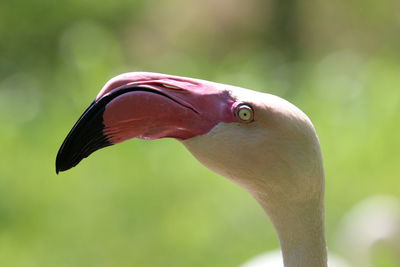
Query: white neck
(300, 228)
(284, 173)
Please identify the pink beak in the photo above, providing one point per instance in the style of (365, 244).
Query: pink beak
(147, 106)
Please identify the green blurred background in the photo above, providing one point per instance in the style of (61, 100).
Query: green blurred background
(150, 203)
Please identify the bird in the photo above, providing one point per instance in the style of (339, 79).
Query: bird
(259, 141)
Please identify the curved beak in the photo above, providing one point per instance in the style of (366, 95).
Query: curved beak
(147, 106)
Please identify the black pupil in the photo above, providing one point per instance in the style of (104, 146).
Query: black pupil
(245, 113)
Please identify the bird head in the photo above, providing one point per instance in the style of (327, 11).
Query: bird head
(257, 140)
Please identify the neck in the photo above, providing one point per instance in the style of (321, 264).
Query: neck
(300, 227)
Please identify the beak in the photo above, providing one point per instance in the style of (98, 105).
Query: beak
(128, 107)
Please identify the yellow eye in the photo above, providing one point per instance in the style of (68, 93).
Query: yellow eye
(245, 113)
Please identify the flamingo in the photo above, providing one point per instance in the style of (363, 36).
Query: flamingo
(261, 142)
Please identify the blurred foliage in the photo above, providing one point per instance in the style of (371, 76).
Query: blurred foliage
(150, 203)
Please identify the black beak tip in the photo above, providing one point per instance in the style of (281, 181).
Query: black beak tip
(85, 137)
(61, 165)
(87, 134)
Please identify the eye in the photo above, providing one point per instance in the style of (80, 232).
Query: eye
(245, 113)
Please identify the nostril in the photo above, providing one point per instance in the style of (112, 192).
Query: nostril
(170, 86)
